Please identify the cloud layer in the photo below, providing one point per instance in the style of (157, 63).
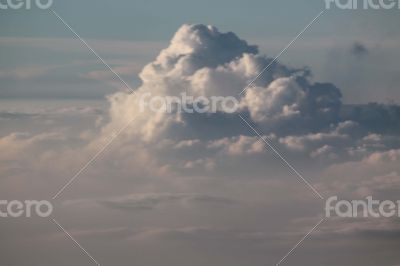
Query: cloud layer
(201, 183)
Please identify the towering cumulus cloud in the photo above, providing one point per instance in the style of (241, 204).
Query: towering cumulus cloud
(284, 103)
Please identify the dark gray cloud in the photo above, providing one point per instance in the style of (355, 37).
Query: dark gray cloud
(374, 117)
(359, 50)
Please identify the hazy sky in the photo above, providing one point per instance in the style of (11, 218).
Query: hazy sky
(178, 189)
(129, 33)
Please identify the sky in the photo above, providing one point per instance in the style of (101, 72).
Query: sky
(131, 33)
(249, 187)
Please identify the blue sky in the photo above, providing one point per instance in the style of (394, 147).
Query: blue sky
(156, 20)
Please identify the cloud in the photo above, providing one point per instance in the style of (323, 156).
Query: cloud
(21, 146)
(375, 117)
(293, 101)
(336, 227)
(150, 201)
(301, 117)
(241, 145)
(375, 174)
(207, 234)
(359, 50)
(204, 62)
